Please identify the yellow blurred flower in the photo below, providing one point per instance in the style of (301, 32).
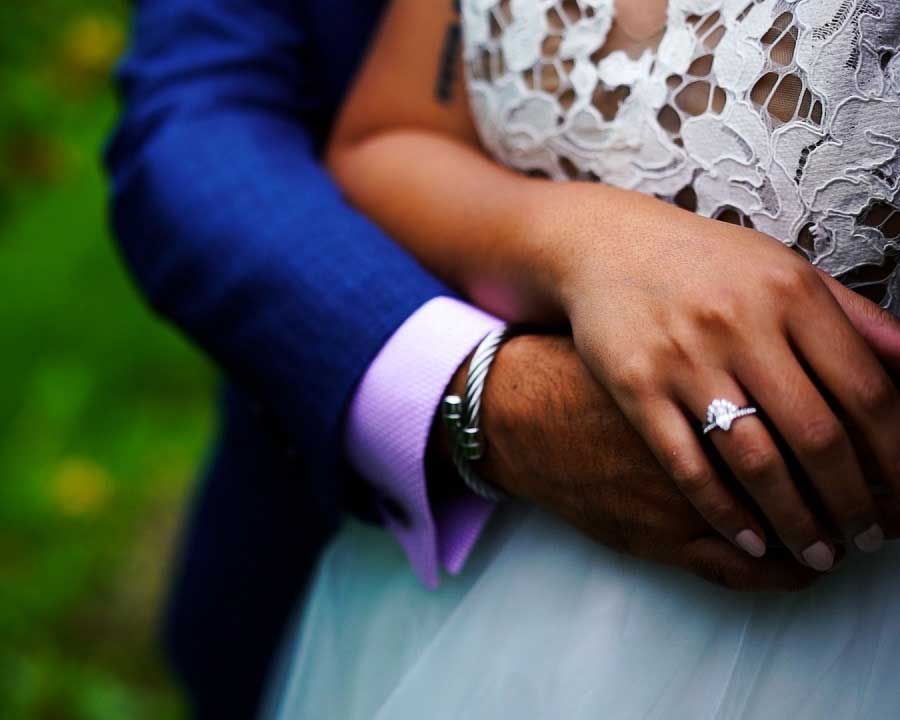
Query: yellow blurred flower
(92, 44)
(80, 486)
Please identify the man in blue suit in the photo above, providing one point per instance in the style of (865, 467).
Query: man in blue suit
(235, 233)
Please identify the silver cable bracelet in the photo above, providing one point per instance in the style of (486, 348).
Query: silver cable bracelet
(462, 415)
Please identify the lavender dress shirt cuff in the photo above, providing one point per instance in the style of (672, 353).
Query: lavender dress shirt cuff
(387, 433)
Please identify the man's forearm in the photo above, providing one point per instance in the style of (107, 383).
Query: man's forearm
(235, 232)
(554, 438)
(387, 431)
(534, 406)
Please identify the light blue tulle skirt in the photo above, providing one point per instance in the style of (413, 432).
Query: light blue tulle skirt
(545, 624)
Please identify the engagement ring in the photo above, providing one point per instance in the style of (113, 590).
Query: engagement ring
(721, 413)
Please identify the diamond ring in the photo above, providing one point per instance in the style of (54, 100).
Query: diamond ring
(721, 413)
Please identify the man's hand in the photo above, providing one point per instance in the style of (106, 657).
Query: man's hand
(557, 440)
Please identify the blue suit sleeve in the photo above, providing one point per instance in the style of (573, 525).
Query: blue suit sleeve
(230, 226)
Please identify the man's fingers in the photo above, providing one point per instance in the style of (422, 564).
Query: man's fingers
(721, 563)
(889, 508)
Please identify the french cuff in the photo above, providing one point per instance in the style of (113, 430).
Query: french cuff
(387, 431)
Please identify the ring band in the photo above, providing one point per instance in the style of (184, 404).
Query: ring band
(721, 414)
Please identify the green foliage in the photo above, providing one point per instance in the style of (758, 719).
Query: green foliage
(104, 411)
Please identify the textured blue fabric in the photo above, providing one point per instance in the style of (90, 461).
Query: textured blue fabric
(235, 233)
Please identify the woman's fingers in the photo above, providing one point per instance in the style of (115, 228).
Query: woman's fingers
(756, 462)
(877, 326)
(677, 448)
(847, 367)
(818, 439)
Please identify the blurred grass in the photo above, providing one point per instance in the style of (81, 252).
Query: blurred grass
(104, 412)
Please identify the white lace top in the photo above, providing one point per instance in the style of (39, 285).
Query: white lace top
(783, 115)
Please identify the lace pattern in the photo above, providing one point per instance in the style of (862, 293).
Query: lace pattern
(783, 115)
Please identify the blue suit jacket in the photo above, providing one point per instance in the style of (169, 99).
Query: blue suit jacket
(235, 233)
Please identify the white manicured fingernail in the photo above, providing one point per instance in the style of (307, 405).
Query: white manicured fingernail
(751, 543)
(819, 557)
(871, 540)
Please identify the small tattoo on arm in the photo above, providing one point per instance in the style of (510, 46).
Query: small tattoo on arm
(446, 78)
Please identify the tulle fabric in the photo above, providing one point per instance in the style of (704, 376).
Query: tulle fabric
(545, 624)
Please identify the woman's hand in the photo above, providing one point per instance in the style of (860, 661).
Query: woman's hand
(671, 310)
(556, 439)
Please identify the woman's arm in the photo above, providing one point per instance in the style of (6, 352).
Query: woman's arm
(412, 162)
(669, 310)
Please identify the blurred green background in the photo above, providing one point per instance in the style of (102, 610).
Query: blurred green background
(104, 412)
